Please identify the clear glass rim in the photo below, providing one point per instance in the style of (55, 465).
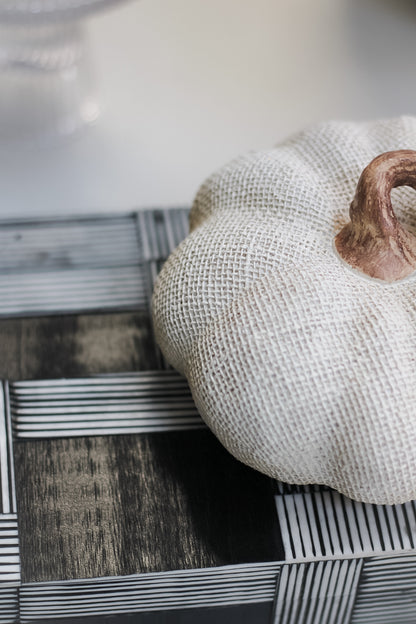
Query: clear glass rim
(41, 11)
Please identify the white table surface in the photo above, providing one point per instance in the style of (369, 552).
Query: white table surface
(185, 85)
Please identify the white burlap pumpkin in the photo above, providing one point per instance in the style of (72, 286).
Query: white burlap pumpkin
(304, 368)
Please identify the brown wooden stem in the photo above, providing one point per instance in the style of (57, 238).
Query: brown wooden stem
(374, 242)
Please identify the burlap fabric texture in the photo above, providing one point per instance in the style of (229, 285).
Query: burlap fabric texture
(303, 368)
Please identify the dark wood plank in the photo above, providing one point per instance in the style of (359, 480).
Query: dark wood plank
(74, 346)
(187, 503)
(67, 509)
(260, 613)
(119, 505)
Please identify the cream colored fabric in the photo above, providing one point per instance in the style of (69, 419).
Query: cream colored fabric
(303, 368)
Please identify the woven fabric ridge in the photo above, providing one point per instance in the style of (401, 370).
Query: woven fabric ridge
(303, 368)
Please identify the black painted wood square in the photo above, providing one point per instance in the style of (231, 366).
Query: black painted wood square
(120, 505)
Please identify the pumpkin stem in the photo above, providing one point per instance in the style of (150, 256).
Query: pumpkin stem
(374, 242)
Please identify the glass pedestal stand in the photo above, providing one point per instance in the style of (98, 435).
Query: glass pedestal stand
(46, 80)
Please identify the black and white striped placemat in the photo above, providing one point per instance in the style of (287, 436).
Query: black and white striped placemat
(223, 536)
(341, 558)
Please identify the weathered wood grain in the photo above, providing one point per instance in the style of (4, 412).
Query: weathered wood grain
(71, 346)
(120, 505)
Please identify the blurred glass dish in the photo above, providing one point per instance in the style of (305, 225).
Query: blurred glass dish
(23, 11)
(46, 83)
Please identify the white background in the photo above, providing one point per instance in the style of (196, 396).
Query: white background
(185, 85)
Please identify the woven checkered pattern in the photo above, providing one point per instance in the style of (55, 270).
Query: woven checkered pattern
(302, 367)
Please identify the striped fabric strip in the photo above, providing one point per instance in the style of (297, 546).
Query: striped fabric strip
(387, 591)
(9, 551)
(84, 264)
(7, 482)
(229, 585)
(78, 242)
(161, 231)
(325, 524)
(107, 405)
(317, 593)
(9, 605)
(79, 290)
(9, 538)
